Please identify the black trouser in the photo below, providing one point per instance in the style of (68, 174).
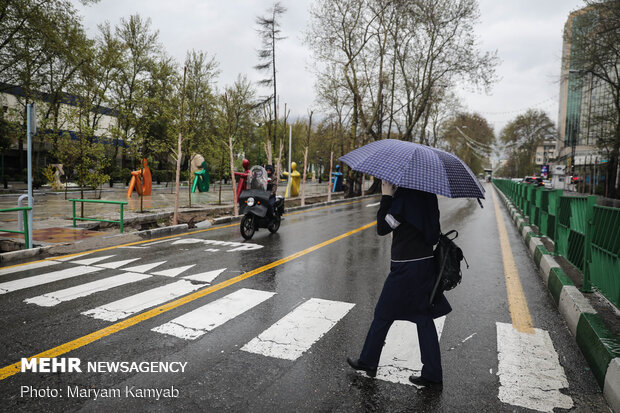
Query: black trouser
(270, 208)
(427, 338)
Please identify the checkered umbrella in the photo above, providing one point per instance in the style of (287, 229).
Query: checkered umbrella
(415, 166)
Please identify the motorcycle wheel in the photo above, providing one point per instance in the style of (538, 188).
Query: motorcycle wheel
(247, 226)
(274, 224)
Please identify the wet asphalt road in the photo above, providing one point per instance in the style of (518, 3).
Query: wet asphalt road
(221, 377)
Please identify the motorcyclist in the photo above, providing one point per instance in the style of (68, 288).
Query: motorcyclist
(272, 187)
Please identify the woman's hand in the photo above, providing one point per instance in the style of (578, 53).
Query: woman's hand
(387, 188)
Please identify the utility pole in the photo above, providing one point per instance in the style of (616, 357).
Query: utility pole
(31, 129)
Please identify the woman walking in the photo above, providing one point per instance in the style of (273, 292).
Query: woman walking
(413, 218)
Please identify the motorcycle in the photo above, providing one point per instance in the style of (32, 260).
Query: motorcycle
(255, 203)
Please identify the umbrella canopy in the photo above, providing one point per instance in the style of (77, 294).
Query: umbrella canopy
(414, 166)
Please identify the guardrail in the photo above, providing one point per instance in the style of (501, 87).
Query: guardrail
(25, 221)
(97, 201)
(586, 234)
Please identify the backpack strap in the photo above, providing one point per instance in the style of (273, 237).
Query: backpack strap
(451, 232)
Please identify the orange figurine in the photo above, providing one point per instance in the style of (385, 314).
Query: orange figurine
(141, 180)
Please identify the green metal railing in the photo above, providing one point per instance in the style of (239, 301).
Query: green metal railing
(604, 264)
(97, 201)
(586, 234)
(25, 220)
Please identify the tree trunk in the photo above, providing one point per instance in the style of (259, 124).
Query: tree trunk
(303, 182)
(232, 176)
(175, 219)
(329, 187)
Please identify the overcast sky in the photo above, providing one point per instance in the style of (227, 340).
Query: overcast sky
(527, 35)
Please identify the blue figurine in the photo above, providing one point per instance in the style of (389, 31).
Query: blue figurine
(337, 180)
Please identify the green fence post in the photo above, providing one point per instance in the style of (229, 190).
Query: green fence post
(122, 220)
(587, 245)
(73, 202)
(556, 211)
(26, 229)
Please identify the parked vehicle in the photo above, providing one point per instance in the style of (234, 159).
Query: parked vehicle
(534, 180)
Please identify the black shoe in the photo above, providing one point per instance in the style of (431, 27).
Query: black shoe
(421, 381)
(358, 365)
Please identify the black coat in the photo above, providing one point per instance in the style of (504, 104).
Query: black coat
(407, 289)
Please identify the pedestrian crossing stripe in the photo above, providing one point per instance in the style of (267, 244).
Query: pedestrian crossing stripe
(56, 297)
(145, 267)
(46, 278)
(529, 370)
(134, 304)
(296, 332)
(205, 277)
(400, 357)
(33, 266)
(173, 272)
(117, 264)
(91, 261)
(198, 322)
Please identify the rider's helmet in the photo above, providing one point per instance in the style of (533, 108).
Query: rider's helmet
(245, 164)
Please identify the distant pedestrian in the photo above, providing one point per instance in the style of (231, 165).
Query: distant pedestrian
(413, 218)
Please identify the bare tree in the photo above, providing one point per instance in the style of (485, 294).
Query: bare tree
(233, 118)
(396, 57)
(269, 31)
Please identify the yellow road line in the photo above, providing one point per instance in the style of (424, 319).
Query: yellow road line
(114, 328)
(519, 312)
(77, 254)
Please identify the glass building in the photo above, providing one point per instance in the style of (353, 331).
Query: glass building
(584, 103)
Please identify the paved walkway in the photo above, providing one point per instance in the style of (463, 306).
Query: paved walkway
(52, 209)
(53, 212)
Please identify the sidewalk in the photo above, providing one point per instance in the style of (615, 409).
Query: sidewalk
(51, 209)
(591, 319)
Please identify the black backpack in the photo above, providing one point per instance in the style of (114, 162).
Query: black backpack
(448, 257)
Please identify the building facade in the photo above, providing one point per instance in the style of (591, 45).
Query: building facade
(584, 99)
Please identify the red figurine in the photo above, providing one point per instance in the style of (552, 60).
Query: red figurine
(243, 177)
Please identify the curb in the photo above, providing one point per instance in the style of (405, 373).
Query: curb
(22, 254)
(159, 232)
(598, 344)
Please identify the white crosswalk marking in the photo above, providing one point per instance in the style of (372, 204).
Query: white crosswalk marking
(296, 332)
(144, 267)
(83, 290)
(159, 242)
(196, 323)
(205, 277)
(173, 272)
(27, 267)
(529, 370)
(117, 264)
(127, 306)
(45, 278)
(91, 261)
(73, 256)
(400, 357)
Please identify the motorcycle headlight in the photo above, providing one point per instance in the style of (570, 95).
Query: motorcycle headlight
(250, 201)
